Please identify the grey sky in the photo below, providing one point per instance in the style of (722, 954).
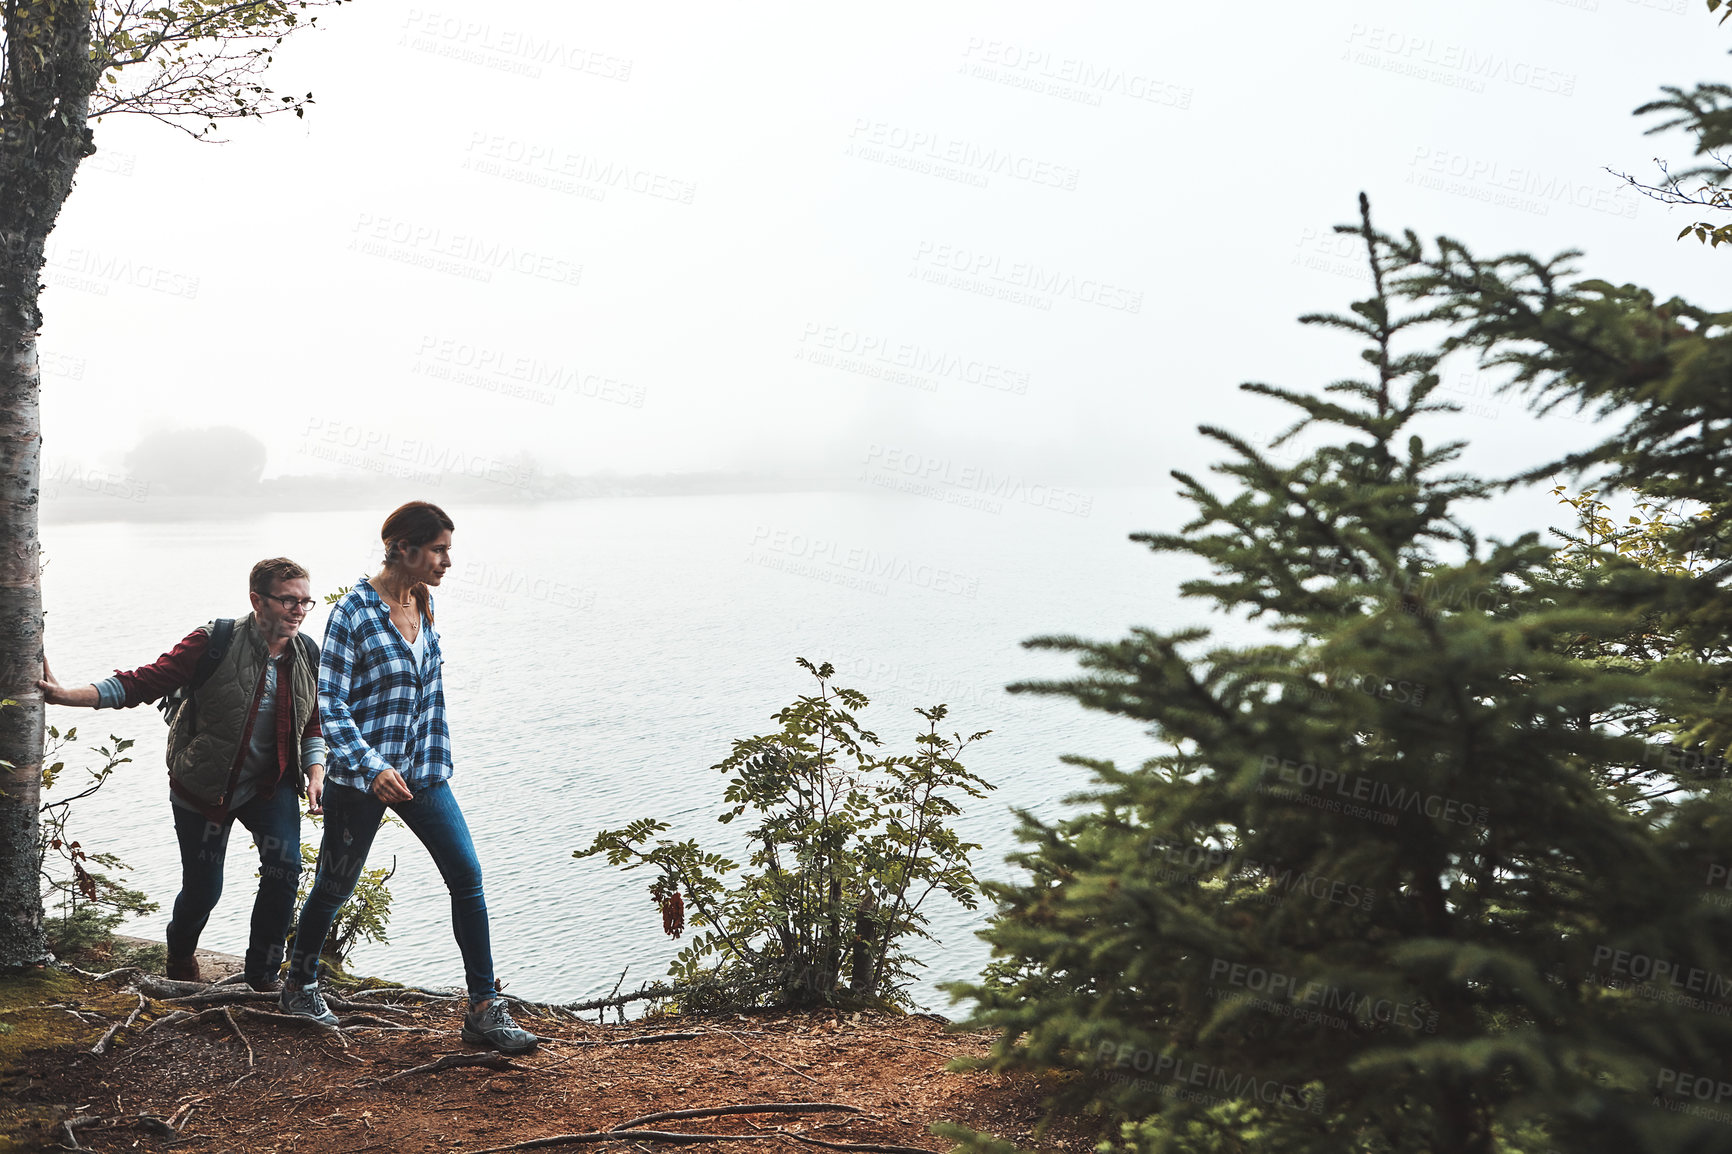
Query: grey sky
(711, 236)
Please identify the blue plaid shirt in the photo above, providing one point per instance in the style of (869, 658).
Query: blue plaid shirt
(378, 711)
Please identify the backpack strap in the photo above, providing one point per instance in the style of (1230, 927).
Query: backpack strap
(309, 650)
(222, 631)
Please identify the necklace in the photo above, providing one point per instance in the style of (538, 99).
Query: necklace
(403, 600)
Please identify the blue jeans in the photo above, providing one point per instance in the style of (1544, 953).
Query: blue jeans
(275, 823)
(352, 817)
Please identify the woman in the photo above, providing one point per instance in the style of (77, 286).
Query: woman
(383, 707)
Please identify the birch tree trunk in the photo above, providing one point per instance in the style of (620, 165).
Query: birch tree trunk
(44, 103)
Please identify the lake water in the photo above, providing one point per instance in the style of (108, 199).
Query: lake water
(601, 655)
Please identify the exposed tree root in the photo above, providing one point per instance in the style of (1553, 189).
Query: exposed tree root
(635, 1040)
(873, 1147)
(667, 1136)
(627, 1131)
(149, 1122)
(448, 1062)
(101, 1047)
(749, 1108)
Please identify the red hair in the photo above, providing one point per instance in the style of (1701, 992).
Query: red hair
(411, 526)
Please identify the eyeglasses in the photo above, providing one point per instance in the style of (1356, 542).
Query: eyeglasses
(288, 603)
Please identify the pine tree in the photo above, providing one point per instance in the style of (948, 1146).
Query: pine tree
(1659, 372)
(1705, 113)
(1378, 896)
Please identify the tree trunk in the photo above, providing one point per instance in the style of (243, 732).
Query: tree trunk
(21, 941)
(43, 136)
(861, 975)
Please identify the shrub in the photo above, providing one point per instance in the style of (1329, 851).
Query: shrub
(82, 904)
(847, 846)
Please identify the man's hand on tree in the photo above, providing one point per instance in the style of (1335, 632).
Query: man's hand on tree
(54, 693)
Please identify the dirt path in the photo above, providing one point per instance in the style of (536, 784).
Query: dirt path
(312, 1091)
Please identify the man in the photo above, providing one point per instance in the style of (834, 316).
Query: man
(244, 746)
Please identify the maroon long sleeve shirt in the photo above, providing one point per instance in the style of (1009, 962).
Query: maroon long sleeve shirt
(176, 668)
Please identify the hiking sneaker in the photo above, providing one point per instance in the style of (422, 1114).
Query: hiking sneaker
(306, 1002)
(183, 969)
(492, 1026)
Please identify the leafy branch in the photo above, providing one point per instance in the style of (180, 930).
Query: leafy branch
(847, 847)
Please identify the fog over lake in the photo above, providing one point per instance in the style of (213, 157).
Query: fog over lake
(729, 336)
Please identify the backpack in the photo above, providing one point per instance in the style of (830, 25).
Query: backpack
(221, 632)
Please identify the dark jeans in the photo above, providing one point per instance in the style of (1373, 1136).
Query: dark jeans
(275, 823)
(352, 817)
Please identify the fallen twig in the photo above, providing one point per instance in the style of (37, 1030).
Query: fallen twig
(179, 1117)
(613, 995)
(747, 1108)
(448, 1062)
(761, 1054)
(101, 1047)
(646, 993)
(83, 1016)
(901, 1042)
(546, 1066)
(110, 975)
(228, 1016)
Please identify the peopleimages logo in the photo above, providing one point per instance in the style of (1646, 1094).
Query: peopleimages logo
(901, 362)
(1192, 863)
(1456, 65)
(1301, 781)
(504, 48)
(1019, 282)
(493, 585)
(67, 479)
(553, 161)
(515, 373)
(93, 270)
(945, 479)
(920, 149)
(1176, 1076)
(1512, 186)
(461, 254)
(1066, 77)
(856, 565)
(1288, 990)
(381, 451)
(1628, 965)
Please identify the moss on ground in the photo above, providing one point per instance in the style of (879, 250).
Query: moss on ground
(33, 1018)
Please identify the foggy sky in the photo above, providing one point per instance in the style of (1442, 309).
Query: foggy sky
(776, 238)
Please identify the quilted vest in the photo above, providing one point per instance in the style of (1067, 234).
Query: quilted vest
(205, 740)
